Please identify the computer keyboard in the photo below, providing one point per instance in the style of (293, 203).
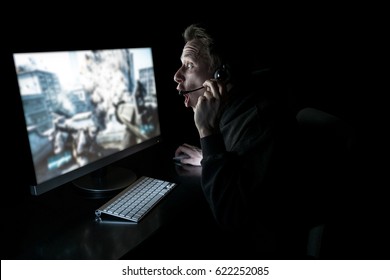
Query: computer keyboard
(134, 202)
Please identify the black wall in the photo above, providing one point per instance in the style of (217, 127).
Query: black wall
(51, 31)
(314, 60)
(321, 59)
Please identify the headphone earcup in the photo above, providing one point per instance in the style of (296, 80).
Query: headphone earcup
(222, 73)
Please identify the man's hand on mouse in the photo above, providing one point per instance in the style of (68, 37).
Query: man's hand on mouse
(188, 154)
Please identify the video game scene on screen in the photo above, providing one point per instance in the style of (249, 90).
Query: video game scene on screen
(83, 118)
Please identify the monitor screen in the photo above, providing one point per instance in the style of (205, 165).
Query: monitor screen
(84, 110)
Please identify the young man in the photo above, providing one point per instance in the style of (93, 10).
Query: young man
(246, 136)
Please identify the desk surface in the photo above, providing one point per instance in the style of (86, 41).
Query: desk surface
(60, 224)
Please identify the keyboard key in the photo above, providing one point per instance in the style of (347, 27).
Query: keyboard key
(136, 200)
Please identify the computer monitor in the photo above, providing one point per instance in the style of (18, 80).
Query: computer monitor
(84, 110)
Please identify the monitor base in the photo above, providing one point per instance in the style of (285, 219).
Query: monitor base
(105, 181)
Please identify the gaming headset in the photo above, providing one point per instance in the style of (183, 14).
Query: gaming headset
(222, 73)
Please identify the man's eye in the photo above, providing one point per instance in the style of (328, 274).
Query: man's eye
(189, 65)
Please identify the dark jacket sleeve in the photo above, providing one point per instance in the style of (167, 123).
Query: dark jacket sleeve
(235, 182)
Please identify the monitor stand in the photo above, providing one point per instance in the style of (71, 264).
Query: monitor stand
(105, 181)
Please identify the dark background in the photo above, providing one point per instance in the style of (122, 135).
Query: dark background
(38, 32)
(319, 59)
(322, 60)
